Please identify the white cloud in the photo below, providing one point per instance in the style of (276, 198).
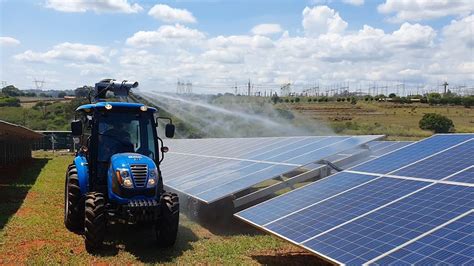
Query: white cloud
(99, 6)
(73, 52)
(255, 42)
(417, 10)
(165, 33)
(412, 35)
(224, 56)
(354, 2)
(412, 52)
(266, 29)
(8, 41)
(322, 20)
(170, 15)
(461, 31)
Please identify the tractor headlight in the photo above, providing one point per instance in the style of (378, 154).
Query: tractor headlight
(124, 173)
(153, 173)
(123, 177)
(151, 182)
(127, 182)
(152, 178)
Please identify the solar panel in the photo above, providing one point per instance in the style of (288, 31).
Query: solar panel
(379, 232)
(376, 148)
(466, 175)
(385, 215)
(286, 204)
(412, 153)
(451, 243)
(392, 145)
(447, 163)
(211, 169)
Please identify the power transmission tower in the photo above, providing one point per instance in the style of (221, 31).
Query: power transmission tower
(39, 83)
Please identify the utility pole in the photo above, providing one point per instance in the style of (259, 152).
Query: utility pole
(445, 84)
(248, 92)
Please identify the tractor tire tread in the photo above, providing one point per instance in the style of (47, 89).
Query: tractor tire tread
(167, 227)
(95, 220)
(73, 219)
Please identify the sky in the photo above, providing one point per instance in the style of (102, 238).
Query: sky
(216, 44)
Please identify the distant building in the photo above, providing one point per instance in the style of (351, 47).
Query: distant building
(16, 143)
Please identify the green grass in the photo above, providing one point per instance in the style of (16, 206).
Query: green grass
(33, 231)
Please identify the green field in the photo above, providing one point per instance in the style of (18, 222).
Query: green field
(32, 230)
(397, 121)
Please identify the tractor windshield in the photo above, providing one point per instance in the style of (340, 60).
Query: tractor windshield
(126, 132)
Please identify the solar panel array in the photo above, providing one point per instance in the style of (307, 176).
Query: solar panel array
(380, 148)
(211, 169)
(411, 206)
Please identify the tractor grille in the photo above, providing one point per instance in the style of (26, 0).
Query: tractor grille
(139, 173)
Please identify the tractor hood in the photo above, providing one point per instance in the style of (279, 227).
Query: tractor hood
(139, 169)
(126, 160)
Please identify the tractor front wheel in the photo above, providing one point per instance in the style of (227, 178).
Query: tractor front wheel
(95, 221)
(73, 202)
(167, 226)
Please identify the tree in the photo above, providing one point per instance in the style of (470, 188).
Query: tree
(9, 101)
(82, 92)
(12, 91)
(61, 94)
(437, 123)
(434, 98)
(468, 101)
(392, 95)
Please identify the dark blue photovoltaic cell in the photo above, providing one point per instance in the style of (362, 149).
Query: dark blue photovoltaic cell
(466, 176)
(325, 215)
(412, 153)
(236, 185)
(387, 228)
(443, 164)
(452, 244)
(330, 149)
(299, 198)
(375, 145)
(394, 146)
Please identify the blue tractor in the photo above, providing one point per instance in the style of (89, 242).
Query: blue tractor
(115, 175)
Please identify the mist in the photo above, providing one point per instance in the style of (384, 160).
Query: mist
(234, 116)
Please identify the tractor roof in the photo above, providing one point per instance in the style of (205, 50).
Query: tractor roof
(116, 105)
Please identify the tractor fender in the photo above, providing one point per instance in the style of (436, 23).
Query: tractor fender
(82, 173)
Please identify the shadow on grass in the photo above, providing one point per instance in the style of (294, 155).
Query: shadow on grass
(15, 182)
(216, 217)
(290, 258)
(140, 241)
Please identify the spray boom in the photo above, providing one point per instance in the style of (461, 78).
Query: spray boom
(120, 89)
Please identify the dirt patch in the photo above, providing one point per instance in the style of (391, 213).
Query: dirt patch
(19, 254)
(22, 212)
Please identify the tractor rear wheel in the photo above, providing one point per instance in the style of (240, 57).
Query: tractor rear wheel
(95, 221)
(73, 202)
(167, 225)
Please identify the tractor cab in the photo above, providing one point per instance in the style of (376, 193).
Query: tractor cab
(117, 166)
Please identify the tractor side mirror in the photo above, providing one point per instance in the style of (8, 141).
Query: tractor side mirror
(76, 128)
(169, 130)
